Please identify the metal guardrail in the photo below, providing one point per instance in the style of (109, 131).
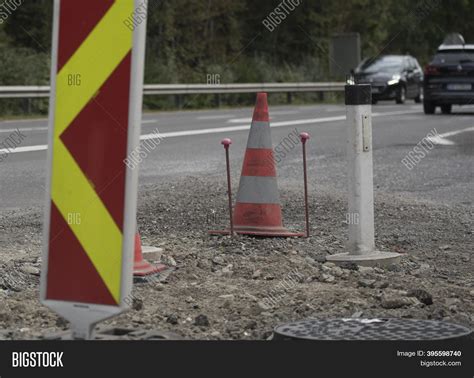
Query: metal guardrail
(190, 89)
(23, 92)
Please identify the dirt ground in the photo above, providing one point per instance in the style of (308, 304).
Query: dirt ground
(242, 288)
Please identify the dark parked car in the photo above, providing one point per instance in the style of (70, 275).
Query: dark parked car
(393, 77)
(449, 78)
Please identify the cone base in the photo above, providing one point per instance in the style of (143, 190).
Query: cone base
(274, 233)
(143, 268)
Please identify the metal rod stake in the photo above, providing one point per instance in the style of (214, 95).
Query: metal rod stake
(304, 137)
(227, 142)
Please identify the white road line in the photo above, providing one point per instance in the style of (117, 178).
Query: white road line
(27, 129)
(401, 112)
(24, 149)
(456, 132)
(284, 112)
(240, 120)
(25, 120)
(147, 121)
(441, 139)
(46, 120)
(249, 119)
(220, 130)
(247, 126)
(223, 116)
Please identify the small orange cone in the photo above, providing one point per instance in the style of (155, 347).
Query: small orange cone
(141, 267)
(258, 209)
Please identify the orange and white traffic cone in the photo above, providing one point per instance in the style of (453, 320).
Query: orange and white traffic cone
(141, 267)
(258, 209)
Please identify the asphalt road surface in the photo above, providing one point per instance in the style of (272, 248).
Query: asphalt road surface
(191, 147)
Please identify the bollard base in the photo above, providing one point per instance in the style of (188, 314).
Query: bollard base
(373, 259)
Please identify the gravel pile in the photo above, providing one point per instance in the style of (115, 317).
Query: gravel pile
(223, 288)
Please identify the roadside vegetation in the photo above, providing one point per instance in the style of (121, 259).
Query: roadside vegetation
(189, 40)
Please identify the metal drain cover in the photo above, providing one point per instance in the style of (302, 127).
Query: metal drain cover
(370, 329)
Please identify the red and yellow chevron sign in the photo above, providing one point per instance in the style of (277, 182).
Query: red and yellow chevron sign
(88, 174)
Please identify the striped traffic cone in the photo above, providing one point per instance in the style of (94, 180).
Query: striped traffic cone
(141, 267)
(258, 210)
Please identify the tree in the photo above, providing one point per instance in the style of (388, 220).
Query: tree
(30, 26)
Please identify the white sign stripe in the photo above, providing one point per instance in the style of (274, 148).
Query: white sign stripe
(219, 130)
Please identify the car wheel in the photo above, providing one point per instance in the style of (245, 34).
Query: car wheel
(401, 95)
(429, 107)
(446, 109)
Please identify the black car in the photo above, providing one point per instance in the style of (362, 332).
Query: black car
(393, 77)
(449, 78)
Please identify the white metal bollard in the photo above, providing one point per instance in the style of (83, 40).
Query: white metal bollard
(360, 217)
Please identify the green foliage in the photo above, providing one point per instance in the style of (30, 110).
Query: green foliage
(30, 25)
(190, 39)
(23, 66)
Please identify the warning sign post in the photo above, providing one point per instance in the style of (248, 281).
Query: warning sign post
(94, 124)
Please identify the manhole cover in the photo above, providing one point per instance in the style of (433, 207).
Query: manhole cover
(370, 329)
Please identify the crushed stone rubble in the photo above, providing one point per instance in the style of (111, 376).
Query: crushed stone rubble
(242, 288)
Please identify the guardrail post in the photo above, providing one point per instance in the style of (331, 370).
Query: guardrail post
(27, 105)
(289, 98)
(217, 100)
(360, 216)
(178, 100)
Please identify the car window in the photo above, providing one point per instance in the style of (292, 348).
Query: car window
(382, 63)
(417, 65)
(408, 64)
(454, 57)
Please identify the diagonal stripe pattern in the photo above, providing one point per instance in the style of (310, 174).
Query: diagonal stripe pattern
(82, 153)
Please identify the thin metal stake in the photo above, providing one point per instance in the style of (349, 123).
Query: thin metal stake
(304, 137)
(226, 143)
